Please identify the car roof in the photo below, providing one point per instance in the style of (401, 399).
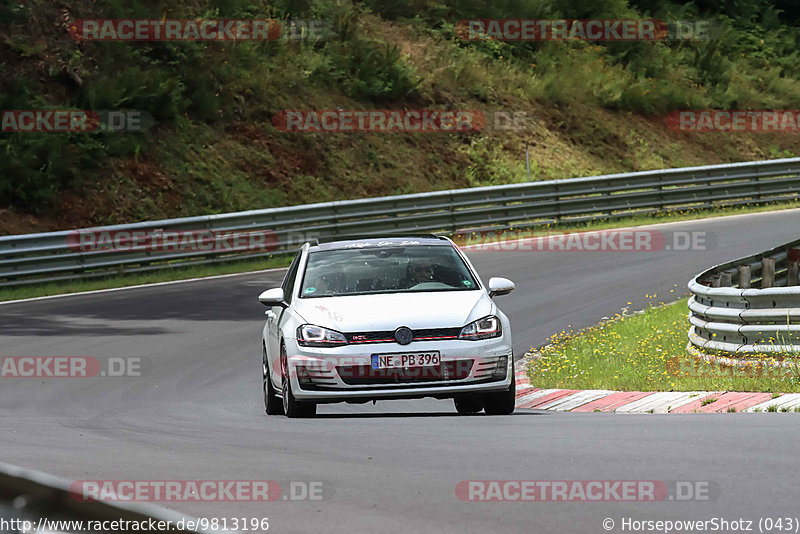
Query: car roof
(393, 241)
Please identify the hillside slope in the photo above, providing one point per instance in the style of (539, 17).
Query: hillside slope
(598, 107)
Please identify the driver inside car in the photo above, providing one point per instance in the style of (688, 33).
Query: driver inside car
(418, 272)
(332, 283)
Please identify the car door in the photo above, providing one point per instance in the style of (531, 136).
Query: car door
(276, 314)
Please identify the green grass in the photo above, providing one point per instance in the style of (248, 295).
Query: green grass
(152, 277)
(645, 352)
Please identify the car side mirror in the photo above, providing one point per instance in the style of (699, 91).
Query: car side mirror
(272, 297)
(500, 286)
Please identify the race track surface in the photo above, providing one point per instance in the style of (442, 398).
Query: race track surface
(393, 467)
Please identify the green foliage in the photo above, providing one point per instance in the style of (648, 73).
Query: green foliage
(753, 62)
(16, 11)
(36, 167)
(370, 70)
(364, 68)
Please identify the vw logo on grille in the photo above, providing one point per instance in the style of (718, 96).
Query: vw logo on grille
(403, 335)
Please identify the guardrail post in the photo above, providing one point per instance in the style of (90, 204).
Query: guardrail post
(451, 208)
(792, 257)
(744, 277)
(767, 272)
(758, 188)
(725, 280)
(557, 200)
(335, 219)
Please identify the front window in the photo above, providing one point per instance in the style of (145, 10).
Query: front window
(390, 269)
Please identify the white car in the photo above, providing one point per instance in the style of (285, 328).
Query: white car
(391, 318)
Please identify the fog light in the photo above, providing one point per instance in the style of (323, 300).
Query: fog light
(502, 368)
(303, 377)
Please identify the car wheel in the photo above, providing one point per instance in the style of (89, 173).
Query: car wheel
(272, 403)
(468, 404)
(502, 403)
(291, 406)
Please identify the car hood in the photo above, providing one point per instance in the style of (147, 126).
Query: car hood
(388, 311)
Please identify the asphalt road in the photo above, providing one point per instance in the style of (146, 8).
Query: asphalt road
(197, 412)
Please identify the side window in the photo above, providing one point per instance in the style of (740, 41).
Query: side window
(291, 275)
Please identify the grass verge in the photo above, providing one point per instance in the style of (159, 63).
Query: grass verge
(647, 352)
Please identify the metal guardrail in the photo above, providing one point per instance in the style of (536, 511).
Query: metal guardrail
(46, 257)
(31, 496)
(748, 305)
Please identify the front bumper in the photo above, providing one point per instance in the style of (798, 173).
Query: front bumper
(342, 374)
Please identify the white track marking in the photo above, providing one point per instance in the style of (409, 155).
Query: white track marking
(535, 395)
(784, 400)
(580, 398)
(171, 282)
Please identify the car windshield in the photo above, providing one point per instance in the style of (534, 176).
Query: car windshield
(390, 269)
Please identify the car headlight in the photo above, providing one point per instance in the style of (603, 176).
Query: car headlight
(485, 328)
(309, 335)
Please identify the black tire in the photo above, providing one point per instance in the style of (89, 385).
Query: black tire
(291, 407)
(502, 403)
(468, 404)
(272, 402)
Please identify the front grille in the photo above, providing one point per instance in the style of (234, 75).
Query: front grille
(364, 375)
(387, 336)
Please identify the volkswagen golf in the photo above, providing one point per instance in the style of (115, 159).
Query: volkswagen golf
(362, 320)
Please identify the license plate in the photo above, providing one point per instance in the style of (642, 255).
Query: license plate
(405, 360)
